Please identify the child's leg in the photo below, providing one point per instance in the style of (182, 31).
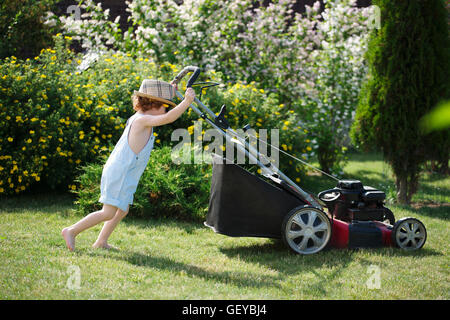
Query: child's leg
(108, 228)
(69, 233)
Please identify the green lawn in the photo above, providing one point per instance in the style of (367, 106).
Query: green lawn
(183, 260)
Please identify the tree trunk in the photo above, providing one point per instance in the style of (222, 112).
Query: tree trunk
(407, 186)
(402, 190)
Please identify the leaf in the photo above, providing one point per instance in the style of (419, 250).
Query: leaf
(437, 119)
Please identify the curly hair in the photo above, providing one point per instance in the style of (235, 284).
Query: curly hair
(145, 104)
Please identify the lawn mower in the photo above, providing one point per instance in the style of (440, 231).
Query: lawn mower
(243, 204)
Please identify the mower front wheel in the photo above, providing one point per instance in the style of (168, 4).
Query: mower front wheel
(409, 234)
(306, 230)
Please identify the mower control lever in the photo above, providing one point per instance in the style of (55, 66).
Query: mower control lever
(220, 120)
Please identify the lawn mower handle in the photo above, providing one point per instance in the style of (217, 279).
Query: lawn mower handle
(229, 133)
(196, 72)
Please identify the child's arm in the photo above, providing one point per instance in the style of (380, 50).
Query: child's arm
(172, 115)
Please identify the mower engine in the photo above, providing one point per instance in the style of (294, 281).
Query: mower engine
(351, 201)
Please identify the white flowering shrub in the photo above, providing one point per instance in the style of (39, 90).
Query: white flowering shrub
(93, 28)
(336, 76)
(312, 61)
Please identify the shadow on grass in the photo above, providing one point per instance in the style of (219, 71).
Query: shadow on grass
(187, 226)
(165, 263)
(319, 269)
(439, 211)
(276, 256)
(329, 257)
(61, 202)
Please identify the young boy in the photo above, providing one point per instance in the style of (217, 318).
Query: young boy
(129, 158)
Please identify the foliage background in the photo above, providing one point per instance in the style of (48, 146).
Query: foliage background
(313, 62)
(409, 65)
(299, 73)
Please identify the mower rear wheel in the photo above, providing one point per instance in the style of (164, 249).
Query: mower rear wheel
(306, 230)
(409, 234)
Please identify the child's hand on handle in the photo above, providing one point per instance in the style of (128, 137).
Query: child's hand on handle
(174, 84)
(189, 95)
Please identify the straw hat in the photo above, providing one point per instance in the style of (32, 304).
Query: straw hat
(157, 90)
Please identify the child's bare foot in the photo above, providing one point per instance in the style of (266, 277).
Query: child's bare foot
(103, 245)
(69, 238)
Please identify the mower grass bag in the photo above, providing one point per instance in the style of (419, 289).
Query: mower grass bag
(244, 205)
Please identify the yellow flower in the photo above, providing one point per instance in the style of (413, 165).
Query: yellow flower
(43, 76)
(10, 139)
(297, 179)
(308, 148)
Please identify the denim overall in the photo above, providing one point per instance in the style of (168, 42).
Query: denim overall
(123, 169)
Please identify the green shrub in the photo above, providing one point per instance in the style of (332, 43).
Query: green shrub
(22, 32)
(408, 75)
(248, 104)
(165, 189)
(54, 118)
